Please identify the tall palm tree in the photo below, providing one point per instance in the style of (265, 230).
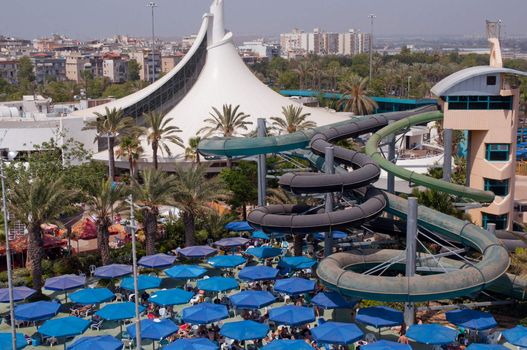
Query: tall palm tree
(130, 148)
(355, 98)
(193, 194)
(226, 123)
(36, 201)
(160, 134)
(156, 189)
(103, 199)
(293, 120)
(111, 124)
(303, 69)
(191, 152)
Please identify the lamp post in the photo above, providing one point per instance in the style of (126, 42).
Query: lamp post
(134, 273)
(408, 89)
(10, 155)
(152, 6)
(372, 17)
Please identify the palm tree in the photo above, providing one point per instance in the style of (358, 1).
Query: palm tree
(354, 97)
(130, 148)
(103, 199)
(303, 69)
(36, 201)
(111, 124)
(293, 120)
(193, 194)
(160, 134)
(191, 152)
(225, 123)
(156, 189)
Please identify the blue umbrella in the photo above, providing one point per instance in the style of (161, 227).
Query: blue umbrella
(337, 333)
(5, 341)
(260, 235)
(156, 329)
(19, 294)
(380, 316)
(336, 235)
(258, 273)
(90, 296)
(471, 319)
(516, 336)
(218, 284)
(198, 251)
(185, 272)
(191, 344)
(386, 345)
(293, 263)
(143, 282)
(292, 315)
(227, 261)
(37, 311)
(432, 334)
(476, 346)
(204, 313)
(252, 299)
(238, 226)
(294, 285)
(332, 300)
(64, 327)
(157, 261)
(286, 344)
(113, 271)
(244, 330)
(118, 311)
(174, 296)
(264, 252)
(231, 242)
(99, 342)
(64, 282)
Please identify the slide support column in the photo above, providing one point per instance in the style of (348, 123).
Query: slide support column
(390, 186)
(262, 166)
(411, 240)
(492, 229)
(329, 168)
(447, 157)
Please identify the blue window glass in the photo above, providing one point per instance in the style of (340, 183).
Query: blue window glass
(479, 102)
(497, 152)
(499, 187)
(499, 220)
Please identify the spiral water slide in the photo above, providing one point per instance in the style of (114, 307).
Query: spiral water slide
(342, 271)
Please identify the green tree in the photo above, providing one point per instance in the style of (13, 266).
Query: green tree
(355, 98)
(160, 134)
(131, 149)
(26, 75)
(293, 119)
(241, 181)
(133, 70)
(191, 152)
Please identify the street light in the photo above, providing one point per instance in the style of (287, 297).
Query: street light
(153, 5)
(408, 90)
(372, 17)
(10, 156)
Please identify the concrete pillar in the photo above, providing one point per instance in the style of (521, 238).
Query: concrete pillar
(447, 158)
(329, 168)
(411, 247)
(491, 227)
(262, 167)
(390, 186)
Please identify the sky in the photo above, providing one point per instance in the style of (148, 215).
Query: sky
(91, 19)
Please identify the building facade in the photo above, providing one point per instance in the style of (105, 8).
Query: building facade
(48, 68)
(115, 69)
(9, 71)
(146, 60)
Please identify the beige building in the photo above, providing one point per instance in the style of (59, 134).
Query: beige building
(115, 69)
(75, 64)
(146, 60)
(170, 61)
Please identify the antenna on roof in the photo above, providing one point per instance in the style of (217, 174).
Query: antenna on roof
(493, 36)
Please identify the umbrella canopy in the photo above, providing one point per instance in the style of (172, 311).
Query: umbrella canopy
(113, 271)
(174, 296)
(386, 345)
(64, 327)
(244, 330)
(471, 319)
(259, 235)
(258, 273)
(185, 272)
(379, 316)
(65, 282)
(516, 336)
(157, 261)
(100, 342)
(192, 344)
(227, 261)
(476, 346)
(286, 344)
(292, 315)
(155, 329)
(231, 242)
(336, 235)
(37, 311)
(296, 262)
(337, 333)
(252, 299)
(218, 284)
(88, 296)
(264, 252)
(118, 311)
(205, 313)
(143, 282)
(432, 334)
(294, 285)
(198, 251)
(238, 226)
(332, 300)
(5, 341)
(19, 294)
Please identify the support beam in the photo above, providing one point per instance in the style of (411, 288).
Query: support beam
(390, 187)
(491, 227)
(329, 168)
(411, 247)
(447, 158)
(262, 167)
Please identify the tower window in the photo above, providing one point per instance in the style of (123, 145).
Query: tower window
(499, 187)
(491, 80)
(499, 220)
(497, 152)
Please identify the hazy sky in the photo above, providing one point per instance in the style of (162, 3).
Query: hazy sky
(86, 19)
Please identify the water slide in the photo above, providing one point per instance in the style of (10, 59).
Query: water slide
(342, 271)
